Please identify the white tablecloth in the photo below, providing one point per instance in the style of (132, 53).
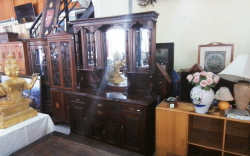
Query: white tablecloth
(24, 133)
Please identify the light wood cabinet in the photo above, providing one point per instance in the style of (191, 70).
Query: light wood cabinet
(181, 131)
(19, 50)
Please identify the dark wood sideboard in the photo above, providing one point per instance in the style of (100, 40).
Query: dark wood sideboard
(126, 121)
(115, 98)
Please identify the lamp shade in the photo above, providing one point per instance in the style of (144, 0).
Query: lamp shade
(239, 69)
(223, 94)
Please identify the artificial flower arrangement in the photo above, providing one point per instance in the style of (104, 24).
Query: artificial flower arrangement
(206, 80)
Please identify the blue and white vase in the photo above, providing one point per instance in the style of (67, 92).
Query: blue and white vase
(201, 99)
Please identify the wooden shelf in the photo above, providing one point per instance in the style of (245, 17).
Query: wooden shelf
(203, 134)
(198, 151)
(206, 138)
(232, 154)
(237, 144)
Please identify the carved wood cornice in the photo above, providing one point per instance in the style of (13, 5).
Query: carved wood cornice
(152, 15)
(93, 28)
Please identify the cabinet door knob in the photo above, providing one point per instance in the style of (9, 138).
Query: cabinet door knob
(122, 128)
(104, 132)
(57, 105)
(77, 99)
(99, 105)
(99, 112)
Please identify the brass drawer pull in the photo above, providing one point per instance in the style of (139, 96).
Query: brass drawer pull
(99, 105)
(77, 99)
(99, 112)
(131, 108)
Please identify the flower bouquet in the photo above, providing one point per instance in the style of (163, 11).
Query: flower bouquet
(206, 80)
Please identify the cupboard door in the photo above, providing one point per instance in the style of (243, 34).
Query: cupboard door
(55, 64)
(111, 133)
(66, 64)
(171, 132)
(66, 107)
(78, 118)
(95, 129)
(58, 106)
(132, 130)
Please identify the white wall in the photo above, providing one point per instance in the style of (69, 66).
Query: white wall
(189, 23)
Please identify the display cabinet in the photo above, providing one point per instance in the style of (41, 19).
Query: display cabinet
(116, 94)
(38, 62)
(19, 50)
(62, 71)
(181, 131)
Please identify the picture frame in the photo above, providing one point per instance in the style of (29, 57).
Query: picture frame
(165, 56)
(20, 28)
(8, 28)
(50, 16)
(35, 92)
(215, 57)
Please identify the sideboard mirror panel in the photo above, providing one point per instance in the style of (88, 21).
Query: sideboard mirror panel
(116, 57)
(142, 48)
(90, 54)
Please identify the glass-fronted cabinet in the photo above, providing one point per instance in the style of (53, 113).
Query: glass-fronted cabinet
(62, 71)
(38, 63)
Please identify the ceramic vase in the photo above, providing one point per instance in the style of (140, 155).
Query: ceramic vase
(202, 99)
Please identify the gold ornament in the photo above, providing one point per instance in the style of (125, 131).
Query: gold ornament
(14, 107)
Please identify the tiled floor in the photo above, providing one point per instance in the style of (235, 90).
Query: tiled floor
(63, 128)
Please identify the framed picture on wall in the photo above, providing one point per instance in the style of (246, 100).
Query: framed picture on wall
(34, 93)
(214, 57)
(165, 56)
(8, 28)
(20, 28)
(50, 16)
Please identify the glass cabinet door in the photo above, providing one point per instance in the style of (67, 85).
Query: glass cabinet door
(66, 66)
(55, 68)
(40, 62)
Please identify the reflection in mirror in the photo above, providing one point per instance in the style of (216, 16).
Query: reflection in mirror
(116, 57)
(142, 47)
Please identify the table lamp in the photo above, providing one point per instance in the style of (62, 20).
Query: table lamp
(239, 71)
(224, 95)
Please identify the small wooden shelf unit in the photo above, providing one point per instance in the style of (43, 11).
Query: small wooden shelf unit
(183, 132)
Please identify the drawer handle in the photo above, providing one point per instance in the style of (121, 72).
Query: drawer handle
(131, 108)
(77, 99)
(99, 105)
(57, 105)
(99, 112)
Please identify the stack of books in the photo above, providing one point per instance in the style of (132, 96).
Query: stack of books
(237, 114)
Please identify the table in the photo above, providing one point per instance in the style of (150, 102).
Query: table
(24, 133)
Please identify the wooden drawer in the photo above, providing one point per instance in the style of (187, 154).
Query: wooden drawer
(105, 105)
(105, 115)
(75, 98)
(132, 108)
